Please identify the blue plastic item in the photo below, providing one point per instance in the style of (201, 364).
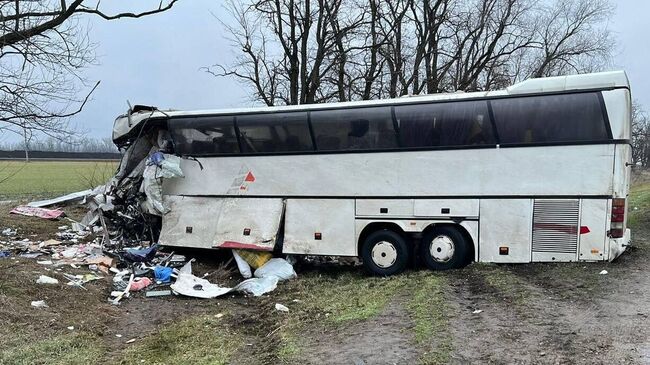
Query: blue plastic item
(163, 274)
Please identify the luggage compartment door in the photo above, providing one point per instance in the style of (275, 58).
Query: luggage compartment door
(191, 221)
(248, 223)
(320, 227)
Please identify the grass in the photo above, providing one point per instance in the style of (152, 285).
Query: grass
(201, 340)
(50, 178)
(430, 313)
(639, 204)
(349, 296)
(63, 349)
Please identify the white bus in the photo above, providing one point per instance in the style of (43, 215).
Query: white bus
(538, 172)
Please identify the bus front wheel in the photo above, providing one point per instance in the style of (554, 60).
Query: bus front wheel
(385, 253)
(444, 248)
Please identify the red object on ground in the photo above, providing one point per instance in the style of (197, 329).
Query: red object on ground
(140, 284)
(38, 212)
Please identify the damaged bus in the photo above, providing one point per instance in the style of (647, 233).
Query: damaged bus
(538, 172)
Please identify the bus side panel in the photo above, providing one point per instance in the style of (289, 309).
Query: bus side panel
(191, 221)
(248, 223)
(505, 223)
(593, 229)
(320, 227)
(622, 170)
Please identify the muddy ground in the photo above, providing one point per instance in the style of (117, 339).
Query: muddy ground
(524, 314)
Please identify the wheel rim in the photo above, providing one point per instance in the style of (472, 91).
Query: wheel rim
(442, 248)
(384, 254)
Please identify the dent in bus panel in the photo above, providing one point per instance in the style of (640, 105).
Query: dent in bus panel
(191, 221)
(320, 227)
(249, 223)
(505, 223)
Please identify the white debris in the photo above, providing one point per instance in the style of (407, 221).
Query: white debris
(39, 304)
(43, 279)
(281, 307)
(71, 328)
(604, 272)
(276, 267)
(477, 311)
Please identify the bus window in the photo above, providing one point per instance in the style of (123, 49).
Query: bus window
(354, 129)
(280, 132)
(203, 136)
(444, 124)
(550, 118)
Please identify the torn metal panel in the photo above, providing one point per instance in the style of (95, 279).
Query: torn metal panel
(62, 199)
(249, 223)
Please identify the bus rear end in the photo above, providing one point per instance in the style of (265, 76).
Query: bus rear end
(619, 110)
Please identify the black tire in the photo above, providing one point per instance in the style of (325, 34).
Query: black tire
(445, 258)
(392, 244)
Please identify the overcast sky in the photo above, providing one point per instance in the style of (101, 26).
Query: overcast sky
(156, 61)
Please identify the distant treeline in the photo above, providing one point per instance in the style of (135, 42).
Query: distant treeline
(38, 155)
(80, 145)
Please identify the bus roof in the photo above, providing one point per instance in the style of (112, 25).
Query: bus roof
(124, 124)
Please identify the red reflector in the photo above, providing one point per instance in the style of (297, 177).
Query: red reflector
(616, 233)
(318, 236)
(503, 250)
(618, 202)
(584, 230)
(247, 231)
(618, 210)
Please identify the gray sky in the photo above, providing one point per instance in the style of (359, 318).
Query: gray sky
(157, 60)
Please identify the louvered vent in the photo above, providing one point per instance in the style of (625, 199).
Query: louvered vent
(555, 226)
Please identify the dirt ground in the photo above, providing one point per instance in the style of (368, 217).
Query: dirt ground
(496, 314)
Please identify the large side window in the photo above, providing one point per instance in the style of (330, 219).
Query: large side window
(278, 132)
(354, 129)
(444, 124)
(550, 118)
(203, 136)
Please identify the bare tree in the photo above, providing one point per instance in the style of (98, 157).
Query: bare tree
(43, 48)
(306, 51)
(640, 136)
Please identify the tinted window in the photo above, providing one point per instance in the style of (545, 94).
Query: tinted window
(550, 118)
(354, 129)
(444, 124)
(203, 136)
(283, 132)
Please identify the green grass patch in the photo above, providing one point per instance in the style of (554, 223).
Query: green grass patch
(197, 341)
(19, 179)
(508, 284)
(288, 348)
(639, 205)
(430, 313)
(350, 296)
(64, 349)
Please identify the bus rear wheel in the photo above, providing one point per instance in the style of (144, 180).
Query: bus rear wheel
(444, 248)
(384, 253)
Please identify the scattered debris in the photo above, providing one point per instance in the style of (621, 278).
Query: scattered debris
(62, 199)
(281, 307)
(158, 293)
(140, 283)
(131, 340)
(43, 279)
(38, 212)
(39, 304)
(604, 272)
(71, 328)
(477, 311)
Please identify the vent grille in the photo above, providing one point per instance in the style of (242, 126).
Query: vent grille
(555, 226)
